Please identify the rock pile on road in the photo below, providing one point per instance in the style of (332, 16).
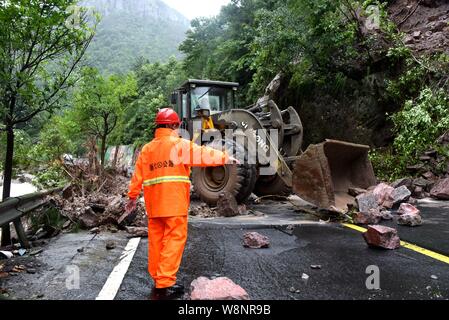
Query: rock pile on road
(98, 204)
(216, 289)
(376, 204)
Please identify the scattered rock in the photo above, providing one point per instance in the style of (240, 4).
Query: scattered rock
(305, 277)
(6, 255)
(137, 232)
(227, 205)
(421, 182)
(416, 34)
(412, 201)
(411, 220)
(80, 250)
(407, 208)
(386, 215)
(401, 194)
(382, 237)
(110, 245)
(243, 211)
(402, 182)
(441, 190)
(255, 240)
(367, 202)
(36, 252)
(372, 216)
(356, 191)
(202, 210)
(66, 224)
(31, 270)
(418, 192)
(439, 26)
(382, 193)
(429, 176)
(89, 219)
(216, 289)
(315, 266)
(95, 230)
(416, 168)
(434, 277)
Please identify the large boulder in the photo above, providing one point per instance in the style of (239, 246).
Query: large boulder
(89, 219)
(216, 289)
(227, 206)
(372, 216)
(382, 237)
(409, 215)
(401, 194)
(407, 208)
(441, 190)
(366, 202)
(411, 220)
(255, 240)
(383, 192)
(403, 182)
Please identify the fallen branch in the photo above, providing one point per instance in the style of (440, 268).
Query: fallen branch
(410, 14)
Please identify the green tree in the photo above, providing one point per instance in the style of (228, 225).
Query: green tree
(41, 43)
(100, 104)
(39, 50)
(155, 82)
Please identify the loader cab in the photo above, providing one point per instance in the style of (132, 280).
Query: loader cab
(195, 95)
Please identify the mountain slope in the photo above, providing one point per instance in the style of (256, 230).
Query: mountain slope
(130, 29)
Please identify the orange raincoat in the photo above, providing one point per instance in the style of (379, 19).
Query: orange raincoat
(163, 170)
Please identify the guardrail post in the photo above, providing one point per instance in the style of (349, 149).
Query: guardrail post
(6, 235)
(21, 233)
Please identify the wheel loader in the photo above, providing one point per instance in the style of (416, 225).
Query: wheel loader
(268, 142)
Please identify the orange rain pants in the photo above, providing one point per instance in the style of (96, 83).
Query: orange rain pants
(163, 171)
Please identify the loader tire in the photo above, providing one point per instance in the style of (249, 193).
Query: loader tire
(238, 180)
(271, 186)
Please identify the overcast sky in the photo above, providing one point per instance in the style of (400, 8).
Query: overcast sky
(197, 8)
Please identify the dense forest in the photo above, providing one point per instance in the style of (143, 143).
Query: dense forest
(373, 72)
(133, 29)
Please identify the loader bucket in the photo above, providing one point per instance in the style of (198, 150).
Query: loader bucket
(324, 173)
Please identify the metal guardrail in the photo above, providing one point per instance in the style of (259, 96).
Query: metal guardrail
(12, 209)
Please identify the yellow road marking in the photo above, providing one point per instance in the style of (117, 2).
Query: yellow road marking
(410, 246)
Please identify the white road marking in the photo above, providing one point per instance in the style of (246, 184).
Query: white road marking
(115, 279)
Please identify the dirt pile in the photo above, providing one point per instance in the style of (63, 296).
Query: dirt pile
(92, 201)
(424, 23)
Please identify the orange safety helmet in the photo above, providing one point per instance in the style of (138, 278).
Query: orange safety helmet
(167, 116)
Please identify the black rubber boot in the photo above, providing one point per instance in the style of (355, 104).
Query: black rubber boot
(170, 293)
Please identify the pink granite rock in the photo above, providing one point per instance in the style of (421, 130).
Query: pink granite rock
(372, 216)
(382, 237)
(383, 193)
(216, 289)
(441, 190)
(407, 208)
(255, 240)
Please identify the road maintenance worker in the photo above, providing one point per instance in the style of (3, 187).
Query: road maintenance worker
(164, 174)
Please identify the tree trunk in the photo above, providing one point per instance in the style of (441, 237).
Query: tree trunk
(103, 151)
(7, 177)
(114, 164)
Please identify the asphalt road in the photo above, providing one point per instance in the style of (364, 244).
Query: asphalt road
(215, 249)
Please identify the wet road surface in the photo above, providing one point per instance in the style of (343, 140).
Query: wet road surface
(214, 248)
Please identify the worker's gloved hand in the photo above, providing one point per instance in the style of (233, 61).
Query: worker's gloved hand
(233, 160)
(131, 205)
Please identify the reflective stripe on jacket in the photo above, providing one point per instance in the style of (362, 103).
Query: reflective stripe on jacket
(163, 170)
